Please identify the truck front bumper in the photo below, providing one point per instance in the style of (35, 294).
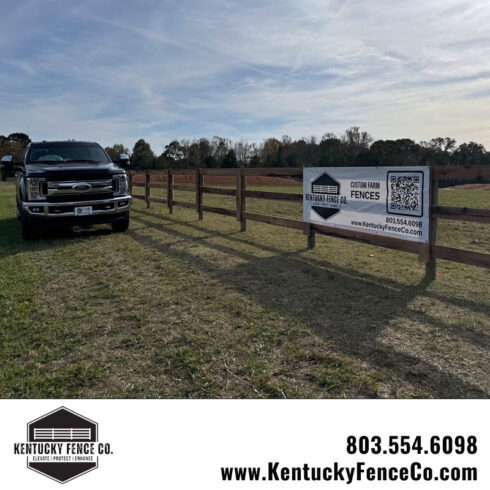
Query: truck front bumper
(57, 210)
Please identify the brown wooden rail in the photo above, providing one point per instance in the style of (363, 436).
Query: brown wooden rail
(465, 214)
(218, 190)
(427, 253)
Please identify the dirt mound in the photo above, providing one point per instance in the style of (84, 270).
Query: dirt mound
(157, 176)
(474, 187)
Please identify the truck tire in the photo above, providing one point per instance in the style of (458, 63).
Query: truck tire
(28, 230)
(121, 225)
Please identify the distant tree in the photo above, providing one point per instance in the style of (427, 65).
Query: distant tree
(331, 150)
(142, 155)
(174, 151)
(193, 155)
(255, 161)
(329, 136)
(20, 138)
(242, 151)
(395, 152)
(353, 137)
(229, 161)
(356, 144)
(440, 144)
(173, 156)
(470, 154)
(438, 151)
(219, 148)
(269, 152)
(205, 154)
(294, 154)
(161, 162)
(184, 146)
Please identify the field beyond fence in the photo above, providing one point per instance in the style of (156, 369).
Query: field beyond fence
(198, 182)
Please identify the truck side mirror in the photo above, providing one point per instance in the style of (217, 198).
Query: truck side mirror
(7, 159)
(123, 161)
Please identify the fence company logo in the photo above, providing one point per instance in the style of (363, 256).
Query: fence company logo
(62, 445)
(325, 184)
(325, 192)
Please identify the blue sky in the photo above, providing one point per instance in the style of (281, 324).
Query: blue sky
(115, 71)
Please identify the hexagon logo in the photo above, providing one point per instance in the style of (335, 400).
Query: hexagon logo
(325, 184)
(61, 445)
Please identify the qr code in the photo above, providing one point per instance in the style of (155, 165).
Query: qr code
(405, 193)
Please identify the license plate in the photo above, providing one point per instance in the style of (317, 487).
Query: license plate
(83, 211)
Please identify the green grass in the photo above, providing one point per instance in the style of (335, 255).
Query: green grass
(464, 234)
(181, 308)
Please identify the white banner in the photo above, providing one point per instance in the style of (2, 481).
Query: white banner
(245, 444)
(389, 201)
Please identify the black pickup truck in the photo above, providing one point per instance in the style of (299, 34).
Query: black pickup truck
(70, 183)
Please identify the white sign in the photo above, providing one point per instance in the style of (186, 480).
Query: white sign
(388, 201)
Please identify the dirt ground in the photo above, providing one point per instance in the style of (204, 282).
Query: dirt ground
(158, 176)
(474, 187)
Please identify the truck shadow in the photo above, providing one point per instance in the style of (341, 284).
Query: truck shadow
(12, 243)
(350, 310)
(9, 236)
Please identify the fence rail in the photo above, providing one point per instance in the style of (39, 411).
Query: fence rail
(465, 214)
(427, 253)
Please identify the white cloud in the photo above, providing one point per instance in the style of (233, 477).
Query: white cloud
(159, 70)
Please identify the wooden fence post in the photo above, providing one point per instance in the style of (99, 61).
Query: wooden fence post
(430, 266)
(310, 237)
(147, 188)
(310, 234)
(199, 184)
(130, 182)
(241, 204)
(170, 191)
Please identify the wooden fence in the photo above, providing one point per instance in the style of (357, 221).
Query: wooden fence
(427, 252)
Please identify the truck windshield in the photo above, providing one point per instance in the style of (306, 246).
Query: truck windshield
(66, 152)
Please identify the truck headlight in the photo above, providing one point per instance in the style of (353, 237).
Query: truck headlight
(122, 185)
(35, 189)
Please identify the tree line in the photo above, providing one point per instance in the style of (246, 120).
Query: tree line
(351, 148)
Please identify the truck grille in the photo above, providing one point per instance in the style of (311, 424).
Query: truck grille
(86, 190)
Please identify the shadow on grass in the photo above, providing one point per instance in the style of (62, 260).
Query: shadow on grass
(235, 237)
(346, 308)
(12, 243)
(10, 235)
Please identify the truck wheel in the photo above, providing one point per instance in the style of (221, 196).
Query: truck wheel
(28, 230)
(121, 225)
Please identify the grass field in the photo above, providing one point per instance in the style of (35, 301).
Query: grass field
(177, 307)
